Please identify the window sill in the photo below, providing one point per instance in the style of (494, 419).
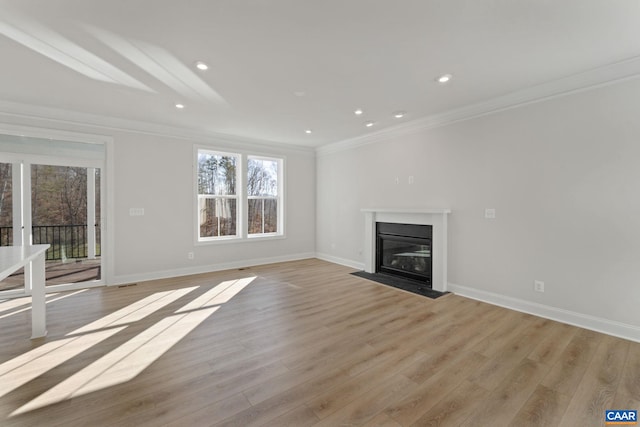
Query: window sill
(259, 237)
(249, 239)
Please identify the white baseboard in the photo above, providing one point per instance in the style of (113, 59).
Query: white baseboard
(609, 327)
(341, 261)
(166, 274)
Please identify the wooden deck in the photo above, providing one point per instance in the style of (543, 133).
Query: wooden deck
(302, 344)
(58, 273)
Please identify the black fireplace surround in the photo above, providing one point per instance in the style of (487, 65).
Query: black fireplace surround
(404, 250)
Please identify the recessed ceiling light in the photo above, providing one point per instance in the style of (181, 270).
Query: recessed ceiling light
(299, 93)
(358, 112)
(179, 106)
(369, 124)
(399, 114)
(201, 66)
(308, 131)
(444, 78)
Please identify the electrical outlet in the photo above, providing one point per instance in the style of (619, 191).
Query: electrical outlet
(490, 213)
(538, 286)
(136, 211)
(190, 255)
(397, 180)
(410, 180)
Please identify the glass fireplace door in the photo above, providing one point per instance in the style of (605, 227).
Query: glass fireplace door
(404, 250)
(405, 256)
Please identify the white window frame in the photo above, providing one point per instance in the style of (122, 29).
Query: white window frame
(278, 198)
(236, 197)
(242, 204)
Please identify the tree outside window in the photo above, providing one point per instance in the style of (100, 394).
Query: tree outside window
(217, 195)
(239, 196)
(262, 195)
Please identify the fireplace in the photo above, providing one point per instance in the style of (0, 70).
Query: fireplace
(436, 218)
(404, 250)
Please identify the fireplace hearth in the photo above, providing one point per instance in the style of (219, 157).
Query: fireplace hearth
(404, 250)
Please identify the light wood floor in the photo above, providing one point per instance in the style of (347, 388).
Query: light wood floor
(58, 273)
(302, 344)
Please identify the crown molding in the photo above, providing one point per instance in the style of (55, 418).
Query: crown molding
(60, 117)
(588, 80)
(584, 81)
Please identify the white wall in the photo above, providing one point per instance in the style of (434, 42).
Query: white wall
(563, 176)
(156, 173)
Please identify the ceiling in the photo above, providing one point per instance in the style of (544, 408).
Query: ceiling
(280, 67)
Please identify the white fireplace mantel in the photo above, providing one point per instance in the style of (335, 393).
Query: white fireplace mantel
(436, 217)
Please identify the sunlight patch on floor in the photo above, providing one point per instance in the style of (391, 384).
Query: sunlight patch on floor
(10, 304)
(136, 311)
(128, 360)
(221, 294)
(27, 301)
(26, 367)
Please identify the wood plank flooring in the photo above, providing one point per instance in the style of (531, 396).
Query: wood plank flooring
(58, 273)
(302, 344)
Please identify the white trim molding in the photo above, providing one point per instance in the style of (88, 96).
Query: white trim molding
(210, 268)
(341, 261)
(587, 80)
(61, 117)
(605, 326)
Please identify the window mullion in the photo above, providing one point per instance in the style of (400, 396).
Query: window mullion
(262, 204)
(242, 193)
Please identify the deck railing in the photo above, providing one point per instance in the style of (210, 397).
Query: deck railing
(67, 241)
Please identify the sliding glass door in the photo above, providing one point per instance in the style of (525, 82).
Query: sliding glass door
(63, 215)
(56, 201)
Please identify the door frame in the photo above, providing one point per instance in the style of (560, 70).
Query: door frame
(106, 194)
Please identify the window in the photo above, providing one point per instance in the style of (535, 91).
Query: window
(217, 194)
(239, 196)
(262, 190)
